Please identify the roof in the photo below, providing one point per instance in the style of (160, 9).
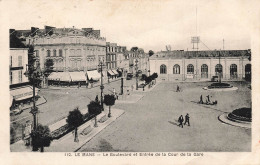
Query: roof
(202, 53)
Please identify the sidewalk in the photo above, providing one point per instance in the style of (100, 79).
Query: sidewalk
(85, 133)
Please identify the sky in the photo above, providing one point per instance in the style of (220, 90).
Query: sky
(150, 25)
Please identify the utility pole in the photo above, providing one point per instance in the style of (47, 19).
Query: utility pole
(101, 86)
(223, 44)
(136, 75)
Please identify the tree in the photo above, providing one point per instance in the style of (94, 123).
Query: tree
(48, 67)
(94, 108)
(74, 119)
(41, 137)
(109, 100)
(150, 53)
(133, 49)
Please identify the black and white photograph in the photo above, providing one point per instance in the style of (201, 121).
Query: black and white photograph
(110, 79)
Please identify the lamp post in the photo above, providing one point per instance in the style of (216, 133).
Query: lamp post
(34, 109)
(101, 86)
(136, 76)
(219, 71)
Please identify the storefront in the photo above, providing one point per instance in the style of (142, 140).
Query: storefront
(22, 95)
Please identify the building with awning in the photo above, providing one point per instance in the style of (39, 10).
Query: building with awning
(60, 76)
(22, 93)
(94, 75)
(77, 76)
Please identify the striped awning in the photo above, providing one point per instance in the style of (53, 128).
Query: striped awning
(23, 93)
(115, 72)
(110, 73)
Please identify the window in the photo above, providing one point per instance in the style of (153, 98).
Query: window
(11, 77)
(48, 53)
(218, 70)
(176, 69)
(60, 53)
(204, 71)
(20, 76)
(20, 62)
(54, 53)
(233, 71)
(163, 69)
(190, 69)
(37, 53)
(11, 61)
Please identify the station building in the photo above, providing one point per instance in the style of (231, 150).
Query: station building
(201, 65)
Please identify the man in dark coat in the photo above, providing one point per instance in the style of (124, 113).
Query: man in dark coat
(187, 119)
(180, 120)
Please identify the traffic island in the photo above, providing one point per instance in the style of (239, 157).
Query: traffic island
(220, 87)
(241, 117)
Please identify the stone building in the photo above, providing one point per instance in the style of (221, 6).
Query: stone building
(201, 65)
(72, 50)
(114, 59)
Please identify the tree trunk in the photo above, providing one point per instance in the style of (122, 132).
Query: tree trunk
(109, 113)
(95, 121)
(76, 135)
(42, 149)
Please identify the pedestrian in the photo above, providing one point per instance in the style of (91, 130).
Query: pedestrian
(187, 119)
(114, 91)
(178, 88)
(96, 99)
(180, 120)
(208, 99)
(201, 99)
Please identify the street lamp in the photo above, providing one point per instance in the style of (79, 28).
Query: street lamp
(34, 109)
(101, 86)
(136, 76)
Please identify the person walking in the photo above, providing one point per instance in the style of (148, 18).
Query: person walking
(201, 99)
(178, 88)
(187, 119)
(208, 99)
(180, 120)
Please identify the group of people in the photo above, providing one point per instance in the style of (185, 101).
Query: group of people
(187, 120)
(209, 100)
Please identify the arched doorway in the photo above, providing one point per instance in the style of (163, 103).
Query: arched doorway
(219, 70)
(248, 72)
(204, 71)
(233, 71)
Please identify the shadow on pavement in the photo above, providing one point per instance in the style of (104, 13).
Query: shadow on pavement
(173, 123)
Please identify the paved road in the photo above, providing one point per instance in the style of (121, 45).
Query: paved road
(60, 102)
(151, 124)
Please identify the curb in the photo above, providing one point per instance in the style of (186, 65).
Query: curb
(223, 118)
(99, 132)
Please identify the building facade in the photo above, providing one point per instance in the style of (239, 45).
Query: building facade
(18, 64)
(201, 65)
(70, 49)
(20, 90)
